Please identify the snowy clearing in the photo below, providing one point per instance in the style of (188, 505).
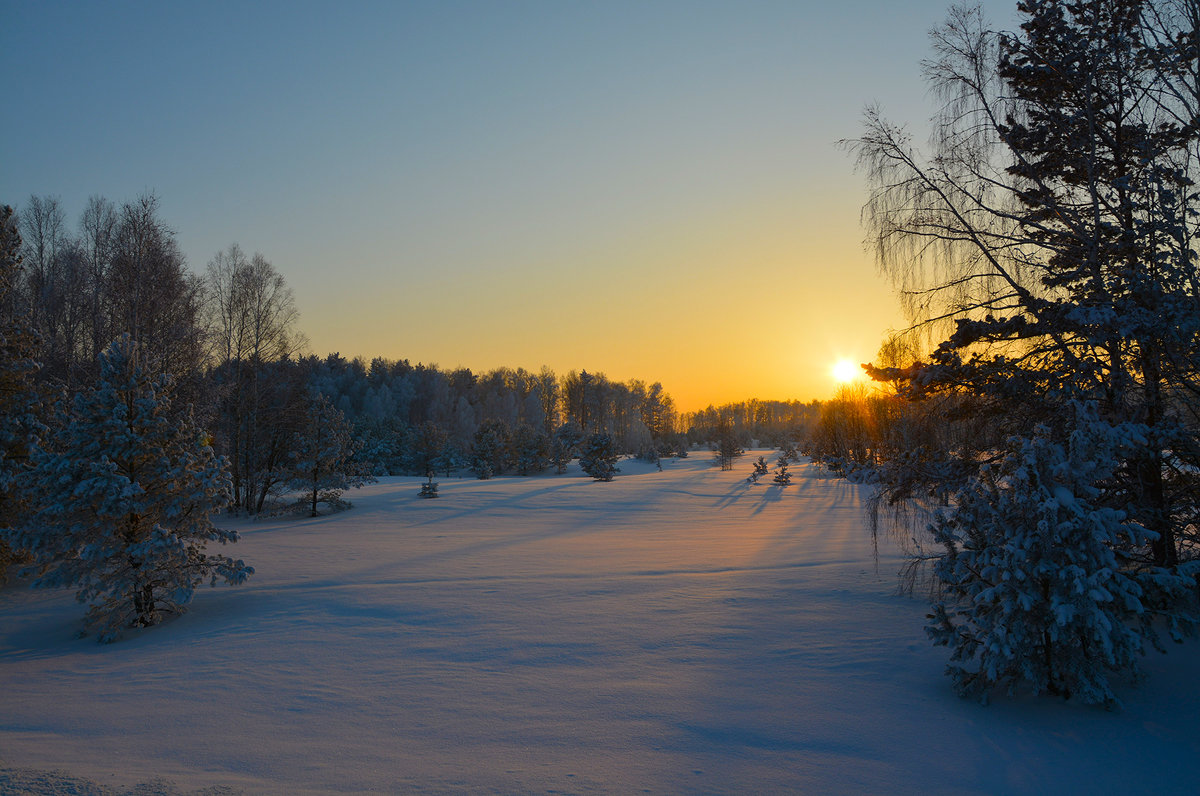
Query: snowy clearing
(681, 631)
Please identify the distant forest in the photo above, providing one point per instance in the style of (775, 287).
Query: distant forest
(231, 341)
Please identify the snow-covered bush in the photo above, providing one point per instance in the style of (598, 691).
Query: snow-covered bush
(124, 492)
(1039, 592)
(783, 477)
(598, 457)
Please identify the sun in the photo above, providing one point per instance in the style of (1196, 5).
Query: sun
(845, 370)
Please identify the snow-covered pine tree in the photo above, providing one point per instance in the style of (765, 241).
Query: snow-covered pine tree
(429, 489)
(783, 477)
(124, 492)
(598, 457)
(760, 469)
(323, 464)
(1037, 590)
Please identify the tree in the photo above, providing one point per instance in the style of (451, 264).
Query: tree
(531, 450)
(727, 446)
(783, 477)
(252, 315)
(760, 469)
(490, 451)
(123, 495)
(565, 445)
(1051, 242)
(323, 457)
(1042, 595)
(598, 457)
(426, 447)
(20, 425)
(150, 296)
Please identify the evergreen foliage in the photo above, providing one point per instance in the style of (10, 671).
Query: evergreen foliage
(490, 453)
(426, 449)
(783, 477)
(565, 445)
(323, 464)
(1042, 593)
(1050, 242)
(760, 469)
(123, 493)
(531, 450)
(598, 457)
(429, 489)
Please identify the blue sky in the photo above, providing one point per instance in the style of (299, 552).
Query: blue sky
(647, 189)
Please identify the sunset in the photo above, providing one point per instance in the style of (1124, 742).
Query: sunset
(665, 397)
(651, 191)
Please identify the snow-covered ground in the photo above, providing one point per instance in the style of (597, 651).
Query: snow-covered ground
(673, 632)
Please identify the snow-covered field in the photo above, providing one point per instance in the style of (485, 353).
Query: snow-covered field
(673, 632)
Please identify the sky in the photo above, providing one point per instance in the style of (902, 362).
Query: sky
(651, 190)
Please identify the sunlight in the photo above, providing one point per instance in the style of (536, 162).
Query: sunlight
(845, 370)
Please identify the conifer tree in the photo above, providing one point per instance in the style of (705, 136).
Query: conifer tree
(760, 469)
(1041, 592)
(783, 477)
(123, 495)
(323, 465)
(598, 457)
(531, 450)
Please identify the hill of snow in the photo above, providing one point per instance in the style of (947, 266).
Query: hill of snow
(679, 631)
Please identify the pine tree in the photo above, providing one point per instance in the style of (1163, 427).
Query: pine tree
(1037, 590)
(124, 492)
(760, 469)
(598, 457)
(531, 450)
(323, 465)
(783, 477)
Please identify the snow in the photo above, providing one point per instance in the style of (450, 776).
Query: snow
(674, 631)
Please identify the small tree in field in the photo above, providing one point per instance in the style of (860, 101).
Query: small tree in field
(760, 469)
(124, 494)
(598, 457)
(783, 477)
(324, 449)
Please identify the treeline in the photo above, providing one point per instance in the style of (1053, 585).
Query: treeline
(764, 423)
(230, 339)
